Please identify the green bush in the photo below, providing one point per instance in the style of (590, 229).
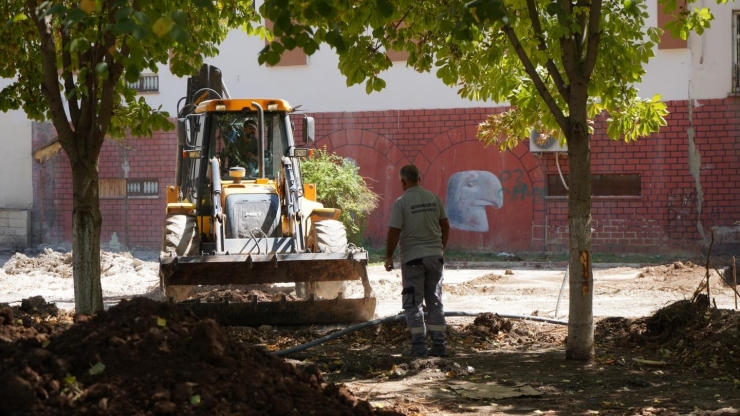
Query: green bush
(339, 185)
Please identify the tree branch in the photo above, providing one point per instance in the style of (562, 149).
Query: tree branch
(69, 82)
(532, 72)
(550, 65)
(50, 84)
(594, 36)
(115, 71)
(581, 20)
(87, 103)
(567, 45)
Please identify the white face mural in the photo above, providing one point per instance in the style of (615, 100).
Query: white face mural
(468, 195)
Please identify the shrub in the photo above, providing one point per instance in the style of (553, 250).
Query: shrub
(339, 185)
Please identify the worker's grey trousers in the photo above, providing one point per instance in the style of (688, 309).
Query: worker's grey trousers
(422, 283)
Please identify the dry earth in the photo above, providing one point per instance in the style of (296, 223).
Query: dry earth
(660, 348)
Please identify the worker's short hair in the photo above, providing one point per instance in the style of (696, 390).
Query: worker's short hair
(410, 173)
(250, 122)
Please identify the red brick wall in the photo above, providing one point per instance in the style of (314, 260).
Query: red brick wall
(668, 216)
(136, 221)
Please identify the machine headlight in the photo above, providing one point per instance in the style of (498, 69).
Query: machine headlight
(302, 152)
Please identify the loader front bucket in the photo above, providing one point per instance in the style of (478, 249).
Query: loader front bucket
(248, 269)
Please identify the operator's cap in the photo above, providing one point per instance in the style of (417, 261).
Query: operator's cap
(250, 122)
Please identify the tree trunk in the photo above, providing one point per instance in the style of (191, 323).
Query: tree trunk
(86, 225)
(580, 344)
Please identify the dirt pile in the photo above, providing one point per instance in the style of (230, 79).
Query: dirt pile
(243, 293)
(687, 332)
(149, 357)
(59, 264)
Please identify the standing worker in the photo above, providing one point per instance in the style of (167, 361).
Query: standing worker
(419, 221)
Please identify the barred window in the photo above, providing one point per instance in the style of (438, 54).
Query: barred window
(608, 184)
(146, 83)
(113, 188)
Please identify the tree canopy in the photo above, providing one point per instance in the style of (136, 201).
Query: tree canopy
(73, 62)
(557, 63)
(64, 56)
(521, 52)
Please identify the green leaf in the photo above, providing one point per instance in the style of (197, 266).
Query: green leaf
(102, 69)
(163, 26)
(310, 47)
(195, 400)
(180, 18)
(272, 58)
(79, 45)
(385, 8)
(325, 8)
(19, 17)
(124, 13)
(98, 368)
(179, 35)
(205, 4)
(124, 26)
(161, 321)
(379, 84)
(73, 17)
(132, 73)
(277, 47)
(289, 43)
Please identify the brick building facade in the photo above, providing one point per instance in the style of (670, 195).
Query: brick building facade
(660, 194)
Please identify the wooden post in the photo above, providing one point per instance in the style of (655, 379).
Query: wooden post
(734, 280)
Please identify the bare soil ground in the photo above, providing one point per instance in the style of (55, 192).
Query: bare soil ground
(662, 348)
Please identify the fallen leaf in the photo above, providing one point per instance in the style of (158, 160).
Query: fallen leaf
(98, 368)
(70, 379)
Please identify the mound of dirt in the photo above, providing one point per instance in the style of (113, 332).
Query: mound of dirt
(689, 332)
(59, 264)
(243, 293)
(147, 357)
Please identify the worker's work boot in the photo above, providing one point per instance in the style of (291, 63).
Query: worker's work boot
(418, 347)
(439, 344)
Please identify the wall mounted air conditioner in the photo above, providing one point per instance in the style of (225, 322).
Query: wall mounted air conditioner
(550, 145)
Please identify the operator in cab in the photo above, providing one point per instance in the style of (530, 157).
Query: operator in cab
(243, 153)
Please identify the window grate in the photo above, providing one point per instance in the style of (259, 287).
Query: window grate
(147, 83)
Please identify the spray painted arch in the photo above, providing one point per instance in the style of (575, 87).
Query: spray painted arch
(456, 162)
(514, 226)
(379, 160)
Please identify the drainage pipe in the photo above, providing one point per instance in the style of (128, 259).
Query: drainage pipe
(393, 318)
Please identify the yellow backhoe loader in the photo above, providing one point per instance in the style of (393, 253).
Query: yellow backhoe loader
(240, 214)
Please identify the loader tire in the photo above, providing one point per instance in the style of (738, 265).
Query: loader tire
(180, 238)
(327, 236)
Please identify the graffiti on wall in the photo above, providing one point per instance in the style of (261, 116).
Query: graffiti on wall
(514, 179)
(468, 194)
(681, 214)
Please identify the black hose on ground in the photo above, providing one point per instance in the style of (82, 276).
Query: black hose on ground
(393, 318)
